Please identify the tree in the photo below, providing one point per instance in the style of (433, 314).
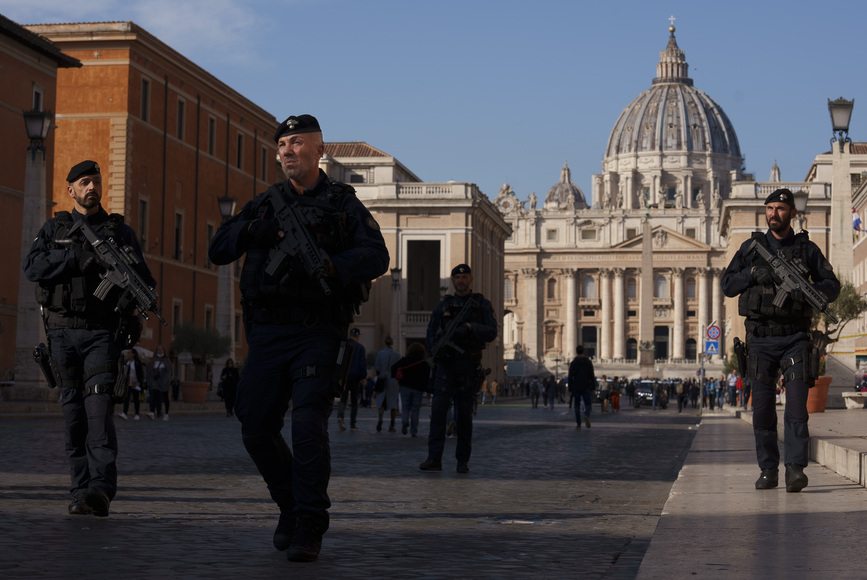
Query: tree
(204, 344)
(848, 306)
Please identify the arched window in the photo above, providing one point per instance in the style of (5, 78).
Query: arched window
(588, 289)
(552, 288)
(661, 290)
(632, 289)
(550, 337)
(507, 289)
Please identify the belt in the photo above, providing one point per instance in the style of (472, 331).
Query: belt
(782, 330)
(57, 321)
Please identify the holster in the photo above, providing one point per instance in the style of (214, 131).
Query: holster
(344, 360)
(46, 364)
(121, 384)
(740, 349)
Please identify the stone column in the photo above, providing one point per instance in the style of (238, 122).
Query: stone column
(619, 346)
(531, 340)
(605, 326)
(571, 315)
(702, 306)
(679, 304)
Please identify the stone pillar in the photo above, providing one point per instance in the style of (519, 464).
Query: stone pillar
(605, 326)
(679, 304)
(531, 339)
(619, 346)
(702, 306)
(29, 328)
(225, 316)
(571, 315)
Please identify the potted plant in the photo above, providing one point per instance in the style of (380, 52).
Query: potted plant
(203, 345)
(848, 306)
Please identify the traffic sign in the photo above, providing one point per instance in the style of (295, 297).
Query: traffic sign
(711, 347)
(713, 332)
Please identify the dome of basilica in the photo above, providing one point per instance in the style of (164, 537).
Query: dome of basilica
(565, 194)
(672, 115)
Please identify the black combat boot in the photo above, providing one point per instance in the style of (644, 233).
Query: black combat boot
(307, 542)
(796, 480)
(768, 479)
(79, 506)
(285, 532)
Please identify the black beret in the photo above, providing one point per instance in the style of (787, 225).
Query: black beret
(783, 196)
(354, 332)
(82, 169)
(461, 269)
(299, 124)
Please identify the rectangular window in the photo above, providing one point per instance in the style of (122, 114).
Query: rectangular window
(38, 97)
(143, 224)
(179, 234)
(239, 162)
(181, 119)
(690, 313)
(422, 275)
(355, 178)
(264, 168)
(145, 100)
(176, 314)
(237, 328)
(690, 233)
(589, 313)
(631, 313)
(588, 235)
(551, 235)
(631, 233)
(212, 136)
(209, 316)
(209, 232)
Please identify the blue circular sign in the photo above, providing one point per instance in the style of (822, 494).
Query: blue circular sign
(713, 332)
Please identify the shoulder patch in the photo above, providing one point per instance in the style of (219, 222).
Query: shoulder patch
(372, 224)
(827, 265)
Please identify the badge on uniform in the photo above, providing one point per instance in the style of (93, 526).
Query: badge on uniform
(371, 223)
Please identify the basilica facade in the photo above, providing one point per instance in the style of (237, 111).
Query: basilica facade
(634, 277)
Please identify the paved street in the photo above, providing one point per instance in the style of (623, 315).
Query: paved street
(542, 499)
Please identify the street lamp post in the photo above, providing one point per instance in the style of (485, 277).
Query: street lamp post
(557, 361)
(29, 330)
(840, 243)
(801, 197)
(225, 322)
(395, 307)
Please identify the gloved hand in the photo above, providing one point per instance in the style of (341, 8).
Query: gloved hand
(797, 295)
(263, 232)
(87, 261)
(762, 275)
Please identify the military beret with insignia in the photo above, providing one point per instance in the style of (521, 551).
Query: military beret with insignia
(300, 124)
(81, 169)
(783, 196)
(461, 269)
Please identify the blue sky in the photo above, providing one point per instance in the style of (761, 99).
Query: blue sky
(502, 91)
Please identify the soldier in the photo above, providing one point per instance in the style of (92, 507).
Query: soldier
(778, 339)
(295, 324)
(457, 370)
(85, 334)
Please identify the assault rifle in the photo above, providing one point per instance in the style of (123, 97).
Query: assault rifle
(119, 265)
(446, 337)
(297, 241)
(791, 276)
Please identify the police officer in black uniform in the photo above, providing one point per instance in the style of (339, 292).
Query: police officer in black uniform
(457, 375)
(85, 334)
(778, 339)
(295, 330)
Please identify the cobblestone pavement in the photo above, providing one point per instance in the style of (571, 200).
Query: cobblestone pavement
(542, 499)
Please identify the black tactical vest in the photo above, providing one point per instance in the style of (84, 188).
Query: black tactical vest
(756, 303)
(293, 287)
(452, 308)
(73, 296)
